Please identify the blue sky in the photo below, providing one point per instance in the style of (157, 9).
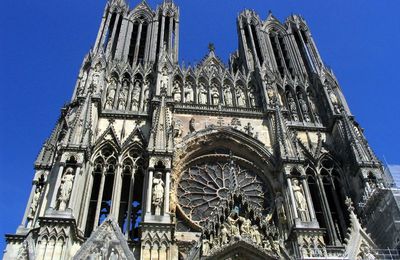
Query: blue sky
(42, 44)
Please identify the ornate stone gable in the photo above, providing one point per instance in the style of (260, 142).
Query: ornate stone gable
(106, 242)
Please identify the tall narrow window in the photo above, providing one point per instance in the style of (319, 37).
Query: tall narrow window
(93, 198)
(285, 55)
(257, 43)
(276, 54)
(142, 44)
(116, 37)
(101, 191)
(303, 51)
(132, 43)
(109, 31)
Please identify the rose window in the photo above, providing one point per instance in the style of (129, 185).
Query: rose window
(207, 184)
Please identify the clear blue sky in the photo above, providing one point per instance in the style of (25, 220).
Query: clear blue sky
(42, 44)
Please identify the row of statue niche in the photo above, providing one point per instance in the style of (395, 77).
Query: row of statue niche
(307, 108)
(227, 97)
(238, 227)
(99, 254)
(127, 98)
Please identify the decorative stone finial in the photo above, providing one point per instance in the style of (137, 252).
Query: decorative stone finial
(211, 47)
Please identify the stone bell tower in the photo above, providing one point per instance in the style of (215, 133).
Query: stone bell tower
(260, 159)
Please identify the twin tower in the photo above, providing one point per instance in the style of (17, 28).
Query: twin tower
(260, 159)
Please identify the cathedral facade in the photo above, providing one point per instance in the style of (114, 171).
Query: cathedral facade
(258, 159)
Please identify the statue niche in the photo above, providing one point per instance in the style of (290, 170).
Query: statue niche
(176, 92)
(110, 97)
(65, 189)
(202, 94)
(158, 193)
(135, 96)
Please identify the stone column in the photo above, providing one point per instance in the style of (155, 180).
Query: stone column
(116, 193)
(166, 190)
(327, 213)
(170, 43)
(149, 191)
(162, 33)
(57, 186)
(289, 182)
(176, 46)
(255, 55)
(137, 44)
(129, 211)
(99, 198)
(308, 199)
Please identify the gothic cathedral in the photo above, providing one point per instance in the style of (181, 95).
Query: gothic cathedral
(257, 159)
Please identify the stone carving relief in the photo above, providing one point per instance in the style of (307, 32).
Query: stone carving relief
(65, 189)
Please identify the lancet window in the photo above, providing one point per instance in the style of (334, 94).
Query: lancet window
(102, 188)
(326, 188)
(130, 207)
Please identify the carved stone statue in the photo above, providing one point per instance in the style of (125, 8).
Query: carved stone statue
(250, 59)
(205, 246)
(146, 97)
(301, 202)
(164, 81)
(34, 203)
(65, 189)
(280, 208)
(224, 235)
(177, 93)
(256, 235)
(240, 98)
(135, 96)
(158, 193)
(215, 96)
(113, 255)
(96, 78)
(202, 94)
(112, 88)
(96, 254)
(192, 127)
(292, 107)
(246, 226)
(123, 94)
(228, 96)
(334, 100)
(188, 93)
(252, 99)
(233, 225)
